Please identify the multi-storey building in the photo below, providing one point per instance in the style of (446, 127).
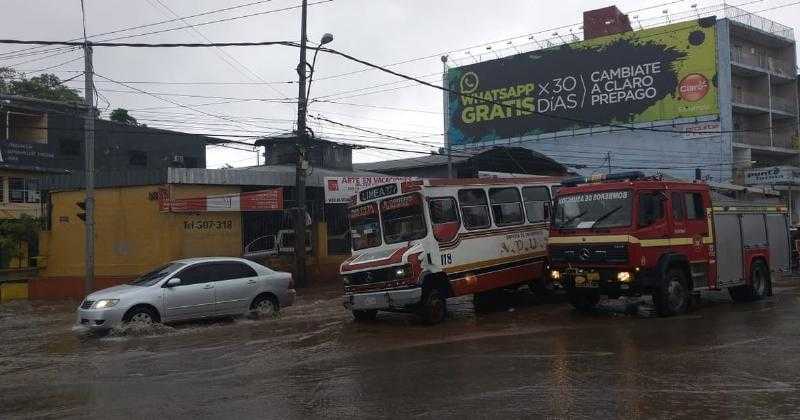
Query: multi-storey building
(41, 139)
(711, 94)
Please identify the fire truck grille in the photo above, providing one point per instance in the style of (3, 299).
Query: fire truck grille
(604, 253)
(369, 277)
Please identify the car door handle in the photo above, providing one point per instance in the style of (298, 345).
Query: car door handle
(208, 286)
(251, 282)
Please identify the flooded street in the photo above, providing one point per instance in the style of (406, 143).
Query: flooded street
(533, 359)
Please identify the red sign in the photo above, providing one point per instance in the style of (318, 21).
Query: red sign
(693, 87)
(400, 202)
(263, 200)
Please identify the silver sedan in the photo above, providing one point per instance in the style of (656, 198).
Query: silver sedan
(190, 289)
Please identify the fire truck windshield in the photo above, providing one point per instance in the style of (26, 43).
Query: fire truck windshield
(403, 219)
(602, 209)
(364, 226)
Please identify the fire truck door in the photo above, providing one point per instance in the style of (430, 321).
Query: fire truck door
(697, 230)
(651, 216)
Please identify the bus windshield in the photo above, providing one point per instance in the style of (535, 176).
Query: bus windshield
(603, 209)
(403, 219)
(364, 226)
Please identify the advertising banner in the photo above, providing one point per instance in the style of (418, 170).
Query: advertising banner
(263, 200)
(773, 175)
(635, 77)
(21, 154)
(341, 189)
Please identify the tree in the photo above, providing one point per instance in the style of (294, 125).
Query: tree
(121, 116)
(44, 86)
(16, 232)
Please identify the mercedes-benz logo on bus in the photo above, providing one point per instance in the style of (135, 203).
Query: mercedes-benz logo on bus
(584, 254)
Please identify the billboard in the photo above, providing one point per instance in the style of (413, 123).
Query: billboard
(635, 77)
(773, 175)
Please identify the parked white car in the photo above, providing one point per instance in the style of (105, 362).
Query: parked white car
(190, 289)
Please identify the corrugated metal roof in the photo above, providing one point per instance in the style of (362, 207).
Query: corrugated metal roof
(276, 175)
(459, 156)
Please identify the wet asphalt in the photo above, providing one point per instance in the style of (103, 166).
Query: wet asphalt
(524, 358)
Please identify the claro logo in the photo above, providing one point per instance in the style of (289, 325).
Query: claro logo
(693, 87)
(469, 82)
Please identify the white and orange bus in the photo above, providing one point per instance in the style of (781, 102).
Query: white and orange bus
(418, 243)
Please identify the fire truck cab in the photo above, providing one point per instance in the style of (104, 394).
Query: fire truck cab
(628, 235)
(418, 243)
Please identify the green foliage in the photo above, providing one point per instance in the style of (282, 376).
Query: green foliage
(15, 231)
(121, 116)
(44, 86)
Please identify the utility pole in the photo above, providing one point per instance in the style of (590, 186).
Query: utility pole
(300, 167)
(608, 157)
(88, 165)
(446, 107)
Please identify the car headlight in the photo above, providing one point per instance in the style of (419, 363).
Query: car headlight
(624, 276)
(401, 272)
(105, 303)
(555, 275)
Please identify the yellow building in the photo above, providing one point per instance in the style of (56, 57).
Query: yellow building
(134, 235)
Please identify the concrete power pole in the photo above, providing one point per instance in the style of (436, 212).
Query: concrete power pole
(448, 148)
(89, 167)
(300, 169)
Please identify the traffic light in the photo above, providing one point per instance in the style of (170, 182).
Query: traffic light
(82, 214)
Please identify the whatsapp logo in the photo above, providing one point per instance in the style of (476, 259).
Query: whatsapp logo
(469, 82)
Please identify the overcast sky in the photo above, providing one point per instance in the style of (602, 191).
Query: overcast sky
(259, 103)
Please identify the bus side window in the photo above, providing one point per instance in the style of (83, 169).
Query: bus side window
(506, 206)
(444, 218)
(474, 208)
(537, 203)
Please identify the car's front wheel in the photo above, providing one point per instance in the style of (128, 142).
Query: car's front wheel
(141, 315)
(264, 306)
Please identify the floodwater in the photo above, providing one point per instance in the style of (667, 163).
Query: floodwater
(524, 359)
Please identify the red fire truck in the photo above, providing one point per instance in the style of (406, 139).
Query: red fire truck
(625, 234)
(418, 243)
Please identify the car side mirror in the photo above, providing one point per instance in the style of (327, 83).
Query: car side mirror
(173, 282)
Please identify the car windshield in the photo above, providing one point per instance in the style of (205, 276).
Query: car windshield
(365, 227)
(156, 275)
(403, 219)
(604, 209)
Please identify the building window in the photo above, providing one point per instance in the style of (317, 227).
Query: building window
(137, 158)
(16, 190)
(21, 190)
(2, 190)
(25, 127)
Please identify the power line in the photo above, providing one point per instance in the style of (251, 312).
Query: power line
(220, 52)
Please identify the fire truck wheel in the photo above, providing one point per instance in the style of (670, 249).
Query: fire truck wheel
(758, 287)
(672, 297)
(365, 315)
(434, 307)
(583, 301)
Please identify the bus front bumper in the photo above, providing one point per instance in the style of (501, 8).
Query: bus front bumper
(383, 300)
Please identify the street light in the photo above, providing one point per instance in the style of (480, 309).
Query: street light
(326, 39)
